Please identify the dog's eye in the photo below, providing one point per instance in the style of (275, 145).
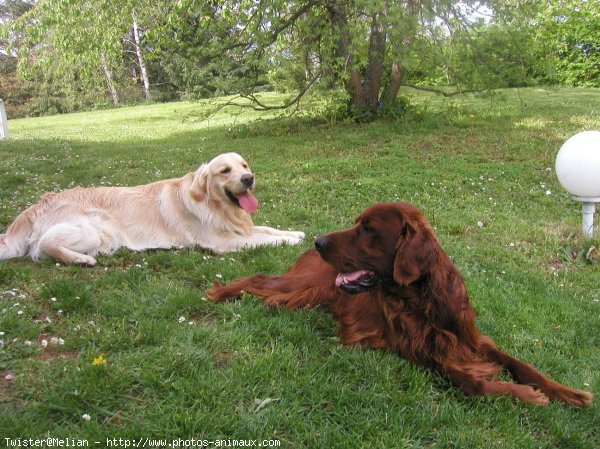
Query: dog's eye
(226, 170)
(245, 166)
(367, 229)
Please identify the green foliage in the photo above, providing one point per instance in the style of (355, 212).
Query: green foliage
(558, 40)
(65, 49)
(489, 56)
(397, 111)
(188, 47)
(64, 41)
(570, 36)
(75, 54)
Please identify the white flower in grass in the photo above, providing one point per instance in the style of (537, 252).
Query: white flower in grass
(28, 343)
(44, 343)
(86, 417)
(219, 276)
(53, 299)
(548, 192)
(181, 319)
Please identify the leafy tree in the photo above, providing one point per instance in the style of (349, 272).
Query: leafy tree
(559, 40)
(568, 32)
(369, 49)
(12, 89)
(194, 49)
(80, 48)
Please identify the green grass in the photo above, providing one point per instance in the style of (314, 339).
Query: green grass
(176, 366)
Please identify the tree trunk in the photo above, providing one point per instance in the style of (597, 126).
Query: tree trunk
(363, 88)
(374, 69)
(396, 76)
(140, 57)
(338, 15)
(109, 80)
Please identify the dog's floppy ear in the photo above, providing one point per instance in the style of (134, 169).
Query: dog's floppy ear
(200, 183)
(416, 251)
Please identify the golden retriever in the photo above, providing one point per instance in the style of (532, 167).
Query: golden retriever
(209, 208)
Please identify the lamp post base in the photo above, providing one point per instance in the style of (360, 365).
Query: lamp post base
(588, 208)
(587, 227)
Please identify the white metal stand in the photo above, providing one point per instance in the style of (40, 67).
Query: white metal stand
(588, 208)
(3, 122)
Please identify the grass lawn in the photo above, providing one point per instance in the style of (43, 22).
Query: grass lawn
(130, 348)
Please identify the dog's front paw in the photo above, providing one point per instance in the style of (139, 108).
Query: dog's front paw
(299, 235)
(294, 240)
(84, 259)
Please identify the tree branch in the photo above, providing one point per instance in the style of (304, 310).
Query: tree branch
(274, 33)
(256, 105)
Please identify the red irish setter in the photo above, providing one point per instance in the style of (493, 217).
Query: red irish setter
(391, 286)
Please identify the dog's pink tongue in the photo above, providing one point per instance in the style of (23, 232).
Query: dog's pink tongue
(344, 278)
(248, 202)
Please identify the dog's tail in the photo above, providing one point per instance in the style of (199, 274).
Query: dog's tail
(14, 243)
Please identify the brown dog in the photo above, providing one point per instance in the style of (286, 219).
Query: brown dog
(391, 286)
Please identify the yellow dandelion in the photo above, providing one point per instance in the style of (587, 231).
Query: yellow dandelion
(100, 360)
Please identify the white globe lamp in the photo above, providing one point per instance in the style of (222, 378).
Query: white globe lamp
(578, 170)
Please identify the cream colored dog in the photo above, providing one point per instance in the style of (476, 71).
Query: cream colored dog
(209, 208)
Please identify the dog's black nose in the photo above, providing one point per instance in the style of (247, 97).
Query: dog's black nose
(248, 180)
(321, 243)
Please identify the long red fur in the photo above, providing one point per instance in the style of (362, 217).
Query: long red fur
(421, 311)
